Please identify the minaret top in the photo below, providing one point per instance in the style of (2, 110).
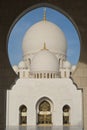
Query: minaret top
(44, 16)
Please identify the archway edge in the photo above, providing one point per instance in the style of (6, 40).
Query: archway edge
(44, 4)
(8, 13)
(41, 4)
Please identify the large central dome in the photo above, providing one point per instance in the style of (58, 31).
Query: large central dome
(44, 31)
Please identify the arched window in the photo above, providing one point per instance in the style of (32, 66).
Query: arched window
(23, 115)
(47, 75)
(44, 112)
(51, 75)
(40, 75)
(66, 115)
(37, 75)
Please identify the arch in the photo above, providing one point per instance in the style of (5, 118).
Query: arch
(42, 5)
(44, 111)
(66, 115)
(44, 106)
(22, 115)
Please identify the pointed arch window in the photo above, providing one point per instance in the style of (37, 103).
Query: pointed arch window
(44, 112)
(66, 115)
(22, 115)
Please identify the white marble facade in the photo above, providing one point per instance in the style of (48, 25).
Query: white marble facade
(59, 91)
(44, 75)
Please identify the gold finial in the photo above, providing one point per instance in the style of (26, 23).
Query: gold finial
(44, 47)
(44, 17)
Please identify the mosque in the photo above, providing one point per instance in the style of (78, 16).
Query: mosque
(45, 93)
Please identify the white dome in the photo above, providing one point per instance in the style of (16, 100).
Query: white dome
(44, 61)
(44, 31)
(21, 65)
(73, 68)
(67, 64)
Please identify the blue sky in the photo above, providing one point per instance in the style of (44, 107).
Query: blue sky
(25, 22)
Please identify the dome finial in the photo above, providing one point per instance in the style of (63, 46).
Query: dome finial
(44, 47)
(44, 17)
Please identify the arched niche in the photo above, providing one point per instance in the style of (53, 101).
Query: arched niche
(23, 115)
(66, 115)
(44, 108)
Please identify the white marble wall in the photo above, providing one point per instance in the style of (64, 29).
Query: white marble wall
(29, 91)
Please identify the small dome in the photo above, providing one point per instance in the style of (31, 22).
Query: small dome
(73, 68)
(44, 31)
(15, 68)
(22, 65)
(44, 61)
(67, 64)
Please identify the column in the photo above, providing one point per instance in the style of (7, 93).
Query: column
(85, 108)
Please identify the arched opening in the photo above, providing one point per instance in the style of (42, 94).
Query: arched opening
(44, 112)
(60, 16)
(23, 115)
(49, 75)
(66, 115)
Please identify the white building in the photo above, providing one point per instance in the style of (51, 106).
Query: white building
(44, 94)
